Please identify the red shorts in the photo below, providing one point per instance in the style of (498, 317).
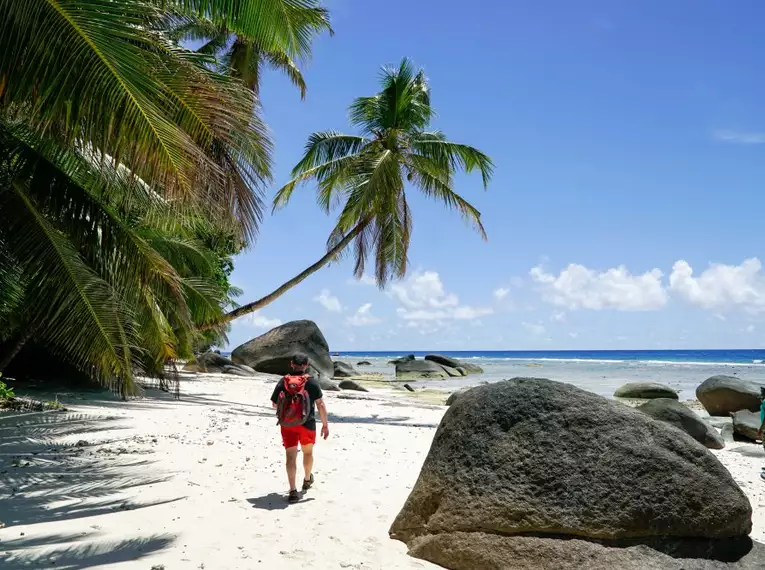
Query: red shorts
(291, 436)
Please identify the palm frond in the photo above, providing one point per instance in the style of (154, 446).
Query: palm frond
(275, 25)
(326, 155)
(452, 156)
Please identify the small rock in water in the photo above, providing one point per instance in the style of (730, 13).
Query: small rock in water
(82, 443)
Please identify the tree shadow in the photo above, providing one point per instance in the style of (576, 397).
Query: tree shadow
(58, 466)
(375, 419)
(274, 502)
(80, 556)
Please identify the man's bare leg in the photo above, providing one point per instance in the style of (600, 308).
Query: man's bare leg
(292, 466)
(307, 461)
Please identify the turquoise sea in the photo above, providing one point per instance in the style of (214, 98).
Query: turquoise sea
(599, 371)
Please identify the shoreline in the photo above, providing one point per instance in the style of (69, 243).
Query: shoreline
(199, 482)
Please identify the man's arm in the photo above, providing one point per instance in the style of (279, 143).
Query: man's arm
(275, 395)
(322, 407)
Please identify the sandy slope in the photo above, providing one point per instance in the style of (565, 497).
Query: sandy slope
(199, 483)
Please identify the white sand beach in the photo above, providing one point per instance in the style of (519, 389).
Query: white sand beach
(199, 482)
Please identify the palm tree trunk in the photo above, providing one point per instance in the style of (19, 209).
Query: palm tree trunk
(14, 350)
(278, 292)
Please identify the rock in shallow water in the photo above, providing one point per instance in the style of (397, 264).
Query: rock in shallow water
(676, 414)
(413, 369)
(535, 456)
(343, 370)
(645, 390)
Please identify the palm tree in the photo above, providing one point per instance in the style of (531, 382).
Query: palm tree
(243, 58)
(369, 174)
(116, 145)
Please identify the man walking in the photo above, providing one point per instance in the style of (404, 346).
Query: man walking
(295, 398)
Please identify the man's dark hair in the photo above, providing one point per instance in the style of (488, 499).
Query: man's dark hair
(300, 360)
(762, 392)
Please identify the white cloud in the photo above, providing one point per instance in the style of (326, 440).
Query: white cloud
(363, 317)
(739, 137)
(721, 286)
(501, 293)
(329, 301)
(577, 287)
(534, 328)
(423, 290)
(363, 280)
(558, 317)
(259, 321)
(573, 335)
(750, 328)
(424, 299)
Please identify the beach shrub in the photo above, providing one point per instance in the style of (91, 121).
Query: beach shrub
(6, 393)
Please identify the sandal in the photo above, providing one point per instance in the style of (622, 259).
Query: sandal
(308, 483)
(294, 496)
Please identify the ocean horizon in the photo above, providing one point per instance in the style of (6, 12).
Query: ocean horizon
(691, 356)
(599, 371)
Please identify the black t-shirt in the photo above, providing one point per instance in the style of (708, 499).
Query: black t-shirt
(314, 393)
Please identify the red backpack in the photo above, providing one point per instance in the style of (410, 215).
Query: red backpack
(294, 404)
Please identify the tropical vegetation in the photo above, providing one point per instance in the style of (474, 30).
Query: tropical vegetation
(131, 170)
(366, 177)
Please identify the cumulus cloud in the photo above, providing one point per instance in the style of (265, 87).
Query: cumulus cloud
(423, 298)
(739, 137)
(721, 286)
(577, 287)
(259, 321)
(501, 293)
(363, 317)
(329, 301)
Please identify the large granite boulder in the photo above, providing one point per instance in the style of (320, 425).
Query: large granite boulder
(443, 360)
(363, 363)
(343, 370)
(645, 390)
(214, 363)
(413, 369)
(452, 372)
(271, 352)
(406, 358)
(722, 395)
(534, 457)
(453, 363)
(674, 413)
(470, 368)
(490, 551)
(454, 396)
(237, 370)
(746, 424)
(352, 385)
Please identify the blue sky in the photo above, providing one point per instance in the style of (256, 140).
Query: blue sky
(627, 205)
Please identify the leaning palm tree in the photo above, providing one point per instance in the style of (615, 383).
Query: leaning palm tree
(369, 173)
(115, 142)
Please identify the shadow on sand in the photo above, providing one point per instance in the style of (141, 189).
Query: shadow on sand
(50, 472)
(274, 502)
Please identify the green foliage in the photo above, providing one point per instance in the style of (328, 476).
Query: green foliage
(367, 175)
(6, 393)
(129, 181)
